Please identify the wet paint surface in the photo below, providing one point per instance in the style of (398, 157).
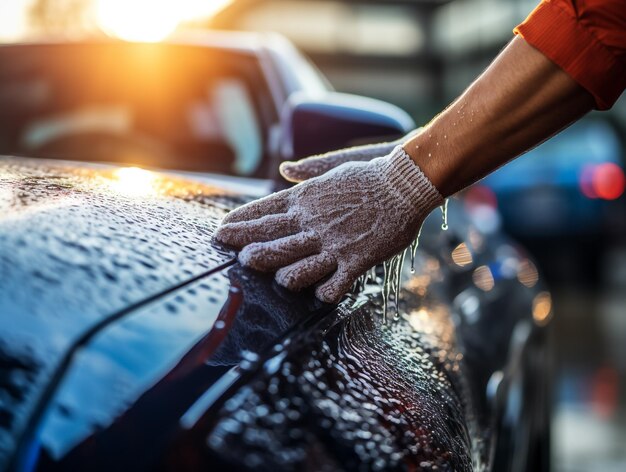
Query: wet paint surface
(341, 391)
(255, 314)
(129, 357)
(347, 393)
(78, 244)
(238, 373)
(370, 399)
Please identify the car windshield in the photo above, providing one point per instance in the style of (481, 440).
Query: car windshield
(169, 106)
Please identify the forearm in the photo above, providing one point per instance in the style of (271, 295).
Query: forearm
(519, 101)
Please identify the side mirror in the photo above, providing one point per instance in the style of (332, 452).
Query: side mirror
(314, 125)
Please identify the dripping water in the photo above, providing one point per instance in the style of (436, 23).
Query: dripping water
(359, 284)
(371, 274)
(392, 284)
(444, 215)
(397, 284)
(386, 286)
(414, 245)
(392, 271)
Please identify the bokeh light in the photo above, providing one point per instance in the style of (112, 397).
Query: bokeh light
(478, 195)
(461, 255)
(527, 273)
(483, 278)
(606, 181)
(542, 308)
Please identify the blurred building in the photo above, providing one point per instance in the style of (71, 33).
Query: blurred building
(416, 53)
(383, 49)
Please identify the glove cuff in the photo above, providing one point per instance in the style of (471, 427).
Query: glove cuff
(405, 176)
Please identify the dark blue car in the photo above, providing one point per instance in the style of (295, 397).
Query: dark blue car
(129, 341)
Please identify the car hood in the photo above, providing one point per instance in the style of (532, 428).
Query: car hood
(80, 245)
(122, 329)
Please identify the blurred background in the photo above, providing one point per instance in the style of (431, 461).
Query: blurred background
(564, 201)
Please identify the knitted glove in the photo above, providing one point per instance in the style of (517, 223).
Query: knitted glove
(314, 166)
(339, 225)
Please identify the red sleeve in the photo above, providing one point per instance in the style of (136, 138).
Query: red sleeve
(587, 39)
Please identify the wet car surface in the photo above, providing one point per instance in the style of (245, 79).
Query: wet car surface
(78, 251)
(130, 342)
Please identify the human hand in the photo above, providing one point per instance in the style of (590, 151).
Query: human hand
(339, 225)
(314, 166)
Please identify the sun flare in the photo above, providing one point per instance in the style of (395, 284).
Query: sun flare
(133, 181)
(150, 20)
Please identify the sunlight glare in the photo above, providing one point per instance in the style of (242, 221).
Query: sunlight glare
(13, 19)
(133, 181)
(139, 20)
(151, 20)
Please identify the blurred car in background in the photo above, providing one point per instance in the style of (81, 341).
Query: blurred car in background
(562, 188)
(560, 199)
(172, 105)
(129, 342)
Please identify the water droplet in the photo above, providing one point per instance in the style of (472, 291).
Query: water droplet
(249, 355)
(219, 324)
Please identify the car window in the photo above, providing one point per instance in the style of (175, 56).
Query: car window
(238, 124)
(180, 107)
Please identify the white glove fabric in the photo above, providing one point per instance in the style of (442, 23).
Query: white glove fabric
(335, 227)
(314, 166)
